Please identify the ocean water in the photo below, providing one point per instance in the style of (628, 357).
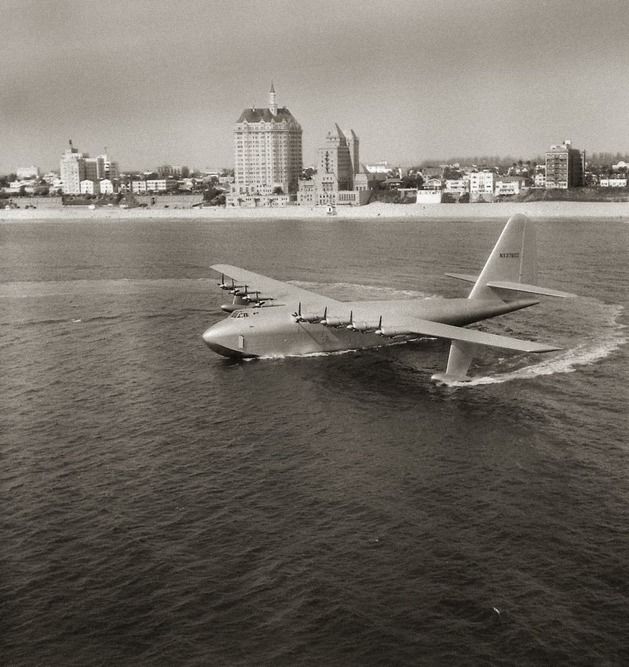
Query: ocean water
(161, 505)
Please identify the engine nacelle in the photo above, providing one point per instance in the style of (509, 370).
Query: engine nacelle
(256, 297)
(391, 332)
(336, 322)
(363, 327)
(310, 318)
(237, 304)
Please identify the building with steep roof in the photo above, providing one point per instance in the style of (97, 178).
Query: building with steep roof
(267, 155)
(334, 169)
(337, 179)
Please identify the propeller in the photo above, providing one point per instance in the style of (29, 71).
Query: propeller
(234, 288)
(310, 318)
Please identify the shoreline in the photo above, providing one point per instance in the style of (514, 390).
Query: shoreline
(544, 209)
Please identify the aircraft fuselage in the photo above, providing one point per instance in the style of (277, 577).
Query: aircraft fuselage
(274, 331)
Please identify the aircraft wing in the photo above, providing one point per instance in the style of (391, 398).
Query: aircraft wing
(413, 325)
(280, 292)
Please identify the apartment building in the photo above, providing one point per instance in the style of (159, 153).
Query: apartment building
(76, 167)
(565, 166)
(482, 182)
(72, 170)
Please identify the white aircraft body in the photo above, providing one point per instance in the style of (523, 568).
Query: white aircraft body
(270, 318)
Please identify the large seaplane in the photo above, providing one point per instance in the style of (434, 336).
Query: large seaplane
(269, 318)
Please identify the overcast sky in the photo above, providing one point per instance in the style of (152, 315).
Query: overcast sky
(159, 81)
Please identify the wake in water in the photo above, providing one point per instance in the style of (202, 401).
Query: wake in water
(594, 320)
(358, 292)
(609, 337)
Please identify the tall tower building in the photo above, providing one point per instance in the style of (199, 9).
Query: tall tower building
(565, 166)
(72, 170)
(353, 145)
(335, 170)
(337, 179)
(267, 151)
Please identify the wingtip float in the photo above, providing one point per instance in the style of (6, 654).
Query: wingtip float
(270, 318)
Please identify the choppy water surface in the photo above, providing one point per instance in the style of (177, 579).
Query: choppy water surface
(163, 505)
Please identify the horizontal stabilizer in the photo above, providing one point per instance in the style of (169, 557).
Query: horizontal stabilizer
(463, 276)
(530, 289)
(449, 332)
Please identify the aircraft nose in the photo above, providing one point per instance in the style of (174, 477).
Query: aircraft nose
(209, 337)
(216, 339)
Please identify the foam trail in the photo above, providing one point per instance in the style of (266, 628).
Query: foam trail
(566, 362)
(372, 292)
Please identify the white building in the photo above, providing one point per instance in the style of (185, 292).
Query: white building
(72, 170)
(429, 196)
(482, 181)
(161, 185)
(613, 181)
(138, 187)
(267, 153)
(75, 167)
(17, 187)
(26, 173)
(379, 168)
(509, 185)
(457, 185)
(106, 187)
(433, 184)
(89, 187)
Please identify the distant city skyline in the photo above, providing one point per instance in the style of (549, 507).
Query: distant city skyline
(163, 83)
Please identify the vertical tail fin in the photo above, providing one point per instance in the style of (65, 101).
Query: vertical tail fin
(513, 259)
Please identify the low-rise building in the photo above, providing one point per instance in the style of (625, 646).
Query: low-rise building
(613, 181)
(161, 185)
(457, 185)
(138, 187)
(509, 185)
(27, 173)
(106, 187)
(482, 182)
(429, 196)
(89, 187)
(433, 184)
(257, 201)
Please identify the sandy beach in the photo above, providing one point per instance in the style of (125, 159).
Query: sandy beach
(580, 210)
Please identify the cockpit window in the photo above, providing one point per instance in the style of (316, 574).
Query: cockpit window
(239, 313)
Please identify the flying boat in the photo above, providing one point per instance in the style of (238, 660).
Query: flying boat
(269, 318)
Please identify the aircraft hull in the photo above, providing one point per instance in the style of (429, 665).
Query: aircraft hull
(274, 331)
